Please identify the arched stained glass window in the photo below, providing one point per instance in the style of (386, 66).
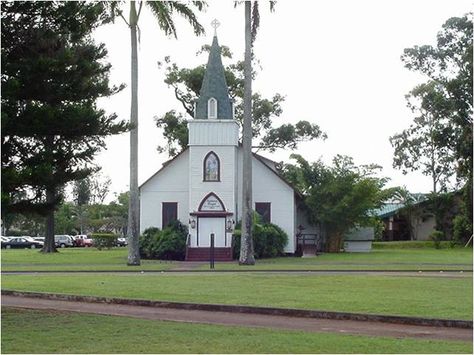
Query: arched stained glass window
(211, 167)
(212, 108)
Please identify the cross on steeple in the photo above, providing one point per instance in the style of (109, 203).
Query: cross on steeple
(215, 24)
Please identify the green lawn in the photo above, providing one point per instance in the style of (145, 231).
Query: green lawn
(424, 296)
(116, 259)
(83, 259)
(377, 259)
(31, 331)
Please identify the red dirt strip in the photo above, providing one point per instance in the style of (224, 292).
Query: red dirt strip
(245, 320)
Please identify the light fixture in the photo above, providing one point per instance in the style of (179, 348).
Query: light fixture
(192, 223)
(230, 223)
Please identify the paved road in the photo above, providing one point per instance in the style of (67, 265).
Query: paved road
(247, 320)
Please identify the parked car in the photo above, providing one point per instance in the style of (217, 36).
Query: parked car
(79, 240)
(22, 242)
(4, 240)
(63, 241)
(88, 242)
(122, 242)
(39, 239)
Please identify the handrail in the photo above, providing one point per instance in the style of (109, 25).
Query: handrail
(305, 239)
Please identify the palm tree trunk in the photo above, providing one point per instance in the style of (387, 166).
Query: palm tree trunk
(133, 214)
(246, 246)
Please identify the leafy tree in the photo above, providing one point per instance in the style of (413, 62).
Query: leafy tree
(411, 211)
(82, 191)
(100, 187)
(64, 219)
(186, 84)
(339, 197)
(52, 74)
(163, 12)
(109, 218)
(445, 103)
(23, 224)
(423, 145)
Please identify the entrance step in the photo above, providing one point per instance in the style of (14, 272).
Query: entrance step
(203, 254)
(309, 250)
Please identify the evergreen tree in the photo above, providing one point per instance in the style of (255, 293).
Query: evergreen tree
(52, 74)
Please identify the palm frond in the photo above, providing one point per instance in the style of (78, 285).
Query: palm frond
(255, 21)
(163, 11)
(272, 5)
(115, 10)
(189, 15)
(163, 15)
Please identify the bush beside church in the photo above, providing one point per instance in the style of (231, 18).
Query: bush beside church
(166, 244)
(170, 243)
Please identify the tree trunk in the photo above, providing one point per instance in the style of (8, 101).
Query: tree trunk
(335, 242)
(133, 213)
(49, 246)
(246, 246)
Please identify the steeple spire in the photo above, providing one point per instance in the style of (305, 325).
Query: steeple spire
(214, 101)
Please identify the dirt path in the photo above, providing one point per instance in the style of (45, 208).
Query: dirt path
(246, 320)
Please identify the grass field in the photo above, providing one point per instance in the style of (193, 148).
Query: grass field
(377, 259)
(424, 296)
(74, 259)
(116, 259)
(26, 331)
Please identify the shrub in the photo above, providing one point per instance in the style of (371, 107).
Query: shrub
(437, 236)
(269, 240)
(236, 243)
(407, 244)
(379, 228)
(462, 229)
(147, 242)
(104, 240)
(169, 243)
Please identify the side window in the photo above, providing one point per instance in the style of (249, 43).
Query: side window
(169, 213)
(264, 210)
(212, 108)
(211, 168)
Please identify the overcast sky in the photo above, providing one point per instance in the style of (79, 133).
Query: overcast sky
(336, 62)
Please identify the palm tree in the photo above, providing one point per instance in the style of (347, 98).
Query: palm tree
(163, 11)
(252, 22)
(246, 245)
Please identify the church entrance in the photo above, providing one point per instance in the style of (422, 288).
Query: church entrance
(211, 218)
(211, 225)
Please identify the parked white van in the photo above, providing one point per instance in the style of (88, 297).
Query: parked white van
(63, 241)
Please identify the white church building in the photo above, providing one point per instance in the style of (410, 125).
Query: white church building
(202, 186)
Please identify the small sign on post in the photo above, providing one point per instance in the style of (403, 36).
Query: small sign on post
(211, 252)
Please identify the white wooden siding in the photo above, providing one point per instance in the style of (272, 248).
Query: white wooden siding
(182, 182)
(213, 132)
(268, 187)
(169, 185)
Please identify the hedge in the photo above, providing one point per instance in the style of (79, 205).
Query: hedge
(104, 240)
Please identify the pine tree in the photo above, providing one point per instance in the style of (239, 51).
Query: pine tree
(52, 74)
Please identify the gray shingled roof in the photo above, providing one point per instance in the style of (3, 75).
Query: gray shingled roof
(214, 85)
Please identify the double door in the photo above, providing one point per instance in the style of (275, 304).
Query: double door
(208, 226)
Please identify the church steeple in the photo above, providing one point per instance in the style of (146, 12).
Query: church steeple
(214, 101)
